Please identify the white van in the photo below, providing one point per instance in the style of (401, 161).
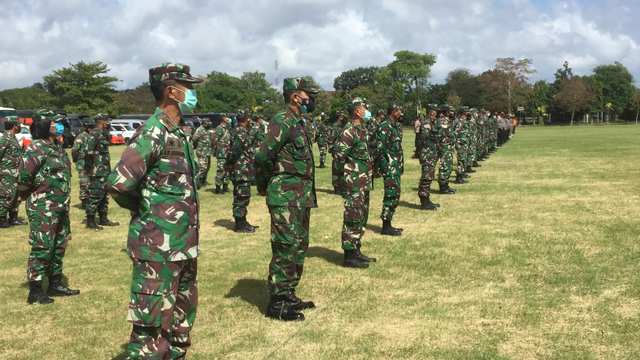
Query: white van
(135, 124)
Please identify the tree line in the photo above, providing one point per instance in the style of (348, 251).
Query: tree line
(610, 90)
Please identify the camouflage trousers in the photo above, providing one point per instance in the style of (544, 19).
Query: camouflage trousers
(49, 236)
(392, 190)
(9, 202)
(356, 214)
(98, 196)
(428, 161)
(335, 173)
(322, 150)
(289, 244)
(241, 198)
(446, 163)
(83, 181)
(222, 176)
(461, 152)
(162, 309)
(204, 164)
(471, 151)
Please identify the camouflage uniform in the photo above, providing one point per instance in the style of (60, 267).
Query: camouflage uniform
(471, 152)
(323, 140)
(391, 165)
(155, 179)
(77, 154)
(428, 155)
(10, 164)
(462, 142)
(222, 138)
(352, 155)
(446, 141)
(97, 164)
(203, 143)
(240, 159)
(285, 171)
(336, 129)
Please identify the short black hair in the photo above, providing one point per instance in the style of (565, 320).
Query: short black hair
(390, 109)
(352, 111)
(157, 89)
(242, 119)
(40, 129)
(8, 125)
(288, 95)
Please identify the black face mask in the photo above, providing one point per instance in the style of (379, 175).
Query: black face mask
(312, 105)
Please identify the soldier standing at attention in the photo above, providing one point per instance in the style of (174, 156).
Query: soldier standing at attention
(356, 180)
(286, 175)
(222, 137)
(391, 165)
(155, 179)
(461, 145)
(77, 154)
(203, 143)
(323, 139)
(416, 131)
(10, 164)
(336, 128)
(446, 140)
(97, 164)
(428, 157)
(239, 164)
(45, 183)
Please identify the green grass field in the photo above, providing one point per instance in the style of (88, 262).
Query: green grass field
(536, 258)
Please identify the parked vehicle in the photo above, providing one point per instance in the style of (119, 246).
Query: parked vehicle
(115, 136)
(134, 123)
(24, 136)
(4, 112)
(126, 131)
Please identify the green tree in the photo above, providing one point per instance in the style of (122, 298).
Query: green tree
(466, 86)
(507, 84)
(33, 97)
(412, 71)
(540, 101)
(576, 95)
(351, 79)
(220, 92)
(635, 102)
(134, 101)
(437, 94)
(82, 88)
(617, 85)
(596, 86)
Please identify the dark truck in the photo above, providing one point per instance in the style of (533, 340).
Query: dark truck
(72, 127)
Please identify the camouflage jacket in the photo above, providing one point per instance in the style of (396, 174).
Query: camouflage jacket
(480, 127)
(459, 130)
(76, 152)
(97, 161)
(240, 155)
(428, 136)
(221, 140)
(352, 156)
(254, 136)
(155, 180)
(446, 134)
(285, 168)
(202, 142)
(390, 146)
(333, 136)
(10, 156)
(322, 134)
(45, 177)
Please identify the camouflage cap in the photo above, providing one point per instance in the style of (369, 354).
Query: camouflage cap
(171, 71)
(464, 109)
(473, 110)
(47, 114)
(206, 121)
(243, 112)
(380, 111)
(88, 122)
(396, 105)
(103, 117)
(357, 102)
(340, 113)
(444, 107)
(431, 107)
(10, 118)
(299, 83)
(452, 109)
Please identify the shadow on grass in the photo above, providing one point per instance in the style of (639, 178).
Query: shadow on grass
(329, 255)
(409, 205)
(328, 191)
(123, 355)
(374, 228)
(225, 223)
(252, 291)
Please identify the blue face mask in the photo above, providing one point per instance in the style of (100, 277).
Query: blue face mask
(304, 109)
(367, 116)
(190, 101)
(59, 129)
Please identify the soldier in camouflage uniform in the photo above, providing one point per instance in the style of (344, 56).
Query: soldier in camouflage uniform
(373, 144)
(45, 183)
(391, 165)
(446, 142)
(78, 157)
(428, 143)
(352, 157)
(322, 136)
(239, 164)
(336, 128)
(97, 164)
(285, 173)
(10, 164)
(203, 143)
(221, 140)
(473, 145)
(462, 141)
(156, 180)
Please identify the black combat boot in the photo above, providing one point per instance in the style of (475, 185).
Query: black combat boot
(225, 188)
(351, 260)
(295, 303)
(469, 170)
(460, 180)
(336, 191)
(254, 227)
(57, 289)
(83, 205)
(363, 257)
(4, 224)
(241, 226)
(387, 229)
(445, 189)
(466, 176)
(426, 204)
(218, 190)
(106, 222)
(321, 165)
(36, 295)
(279, 309)
(475, 164)
(13, 219)
(91, 223)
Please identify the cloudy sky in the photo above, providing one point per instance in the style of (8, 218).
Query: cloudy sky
(321, 38)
